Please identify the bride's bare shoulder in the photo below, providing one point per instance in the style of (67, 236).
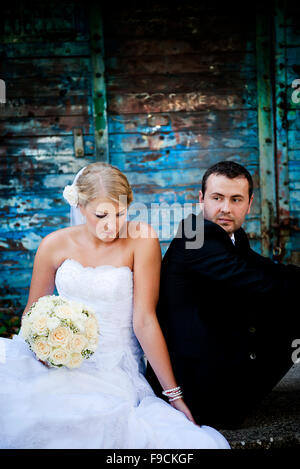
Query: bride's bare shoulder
(141, 230)
(59, 241)
(63, 235)
(146, 245)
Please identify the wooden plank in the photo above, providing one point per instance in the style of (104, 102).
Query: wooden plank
(16, 260)
(159, 11)
(22, 240)
(180, 159)
(183, 82)
(27, 165)
(52, 125)
(295, 200)
(294, 170)
(292, 53)
(182, 140)
(12, 69)
(44, 49)
(38, 106)
(44, 146)
(49, 21)
(165, 178)
(50, 221)
(293, 139)
(293, 35)
(206, 120)
(198, 26)
(45, 86)
(293, 119)
(28, 202)
(294, 155)
(210, 64)
(126, 47)
(124, 103)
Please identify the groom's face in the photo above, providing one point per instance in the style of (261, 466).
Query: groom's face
(226, 201)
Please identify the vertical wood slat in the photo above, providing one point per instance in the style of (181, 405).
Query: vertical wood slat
(280, 103)
(265, 129)
(98, 87)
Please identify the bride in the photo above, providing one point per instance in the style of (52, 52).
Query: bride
(113, 266)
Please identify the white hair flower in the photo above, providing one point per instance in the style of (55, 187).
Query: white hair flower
(71, 194)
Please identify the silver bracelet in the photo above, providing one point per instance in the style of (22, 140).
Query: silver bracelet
(171, 390)
(173, 394)
(174, 398)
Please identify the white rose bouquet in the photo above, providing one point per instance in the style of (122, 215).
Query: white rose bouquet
(60, 332)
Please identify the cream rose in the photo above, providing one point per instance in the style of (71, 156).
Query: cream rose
(59, 356)
(41, 348)
(80, 325)
(60, 336)
(63, 312)
(76, 307)
(52, 323)
(93, 344)
(91, 328)
(77, 343)
(25, 328)
(39, 325)
(75, 360)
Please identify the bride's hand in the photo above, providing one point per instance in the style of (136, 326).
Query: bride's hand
(179, 404)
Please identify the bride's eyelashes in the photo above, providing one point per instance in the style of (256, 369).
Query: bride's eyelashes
(104, 215)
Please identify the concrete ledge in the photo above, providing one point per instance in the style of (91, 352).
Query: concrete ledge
(276, 422)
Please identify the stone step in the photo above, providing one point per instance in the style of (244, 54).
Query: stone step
(275, 423)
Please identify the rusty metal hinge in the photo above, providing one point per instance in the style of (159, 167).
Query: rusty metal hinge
(78, 142)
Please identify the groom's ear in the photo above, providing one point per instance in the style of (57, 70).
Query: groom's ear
(250, 203)
(200, 197)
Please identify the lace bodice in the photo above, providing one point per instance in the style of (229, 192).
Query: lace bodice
(109, 291)
(105, 288)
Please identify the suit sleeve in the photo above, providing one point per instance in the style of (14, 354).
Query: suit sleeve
(255, 274)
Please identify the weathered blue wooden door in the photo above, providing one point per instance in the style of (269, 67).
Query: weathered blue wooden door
(52, 124)
(193, 84)
(161, 92)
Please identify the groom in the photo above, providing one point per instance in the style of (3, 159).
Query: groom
(229, 315)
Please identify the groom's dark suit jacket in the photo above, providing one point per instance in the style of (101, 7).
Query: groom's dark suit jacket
(229, 317)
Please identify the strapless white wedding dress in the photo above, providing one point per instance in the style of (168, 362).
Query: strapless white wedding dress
(107, 402)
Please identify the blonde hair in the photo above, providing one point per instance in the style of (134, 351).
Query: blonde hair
(102, 179)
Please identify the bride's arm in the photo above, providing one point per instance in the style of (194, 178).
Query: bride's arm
(43, 272)
(147, 264)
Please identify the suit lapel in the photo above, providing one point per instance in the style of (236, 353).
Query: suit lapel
(241, 241)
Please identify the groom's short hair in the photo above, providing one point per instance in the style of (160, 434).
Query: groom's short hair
(229, 169)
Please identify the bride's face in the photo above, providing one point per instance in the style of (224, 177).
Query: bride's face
(105, 218)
